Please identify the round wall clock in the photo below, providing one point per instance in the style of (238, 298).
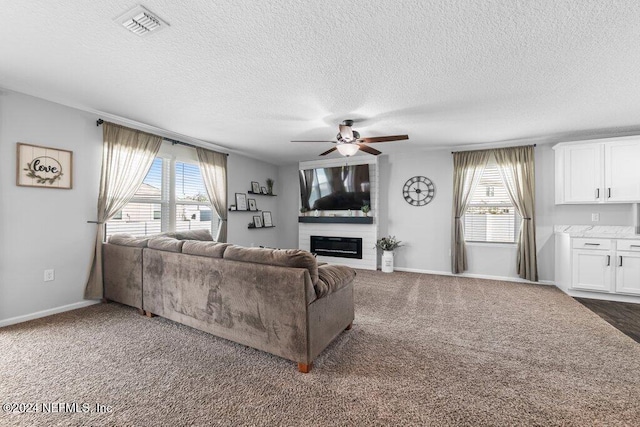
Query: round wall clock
(418, 191)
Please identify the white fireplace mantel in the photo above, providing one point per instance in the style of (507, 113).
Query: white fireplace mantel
(367, 232)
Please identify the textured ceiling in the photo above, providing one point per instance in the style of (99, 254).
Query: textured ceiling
(251, 76)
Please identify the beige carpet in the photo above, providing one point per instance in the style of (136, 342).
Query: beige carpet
(424, 350)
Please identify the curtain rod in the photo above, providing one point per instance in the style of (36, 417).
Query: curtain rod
(535, 145)
(172, 141)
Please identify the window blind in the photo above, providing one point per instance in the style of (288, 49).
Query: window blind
(153, 209)
(192, 209)
(491, 217)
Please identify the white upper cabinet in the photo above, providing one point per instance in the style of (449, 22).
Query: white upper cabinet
(600, 171)
(622, 171)
(582, 174)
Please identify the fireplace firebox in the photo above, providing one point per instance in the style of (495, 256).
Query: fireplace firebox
(341, 247)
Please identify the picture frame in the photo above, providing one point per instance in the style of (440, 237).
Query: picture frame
(266, 219)
(241, 201)
(252, 204)
(255, 187)
(263, 190)
(232, 207)
(43, 167)
(257, 221)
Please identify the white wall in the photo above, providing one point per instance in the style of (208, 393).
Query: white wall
(288, 202)
(241, 171)
(426, 230)
(45, 228)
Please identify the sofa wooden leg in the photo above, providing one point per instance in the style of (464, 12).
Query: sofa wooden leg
(105, 301)
(305, 368)
(149, 314)
(141, 312)
(349, 326)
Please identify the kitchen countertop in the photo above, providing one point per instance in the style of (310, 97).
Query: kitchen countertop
(598, 231)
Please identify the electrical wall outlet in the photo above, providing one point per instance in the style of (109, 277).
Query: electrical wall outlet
(595, 217)
(49, 275)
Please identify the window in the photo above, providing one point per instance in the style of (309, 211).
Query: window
(192, 207)
(172, 197)
(491, 217)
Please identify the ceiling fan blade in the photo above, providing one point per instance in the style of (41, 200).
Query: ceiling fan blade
(369, 150)
(346, 132)
(334, 142)
(384, 138)
(331, 150)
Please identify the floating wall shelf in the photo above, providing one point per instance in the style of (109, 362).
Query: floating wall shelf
(262, 194)
(337, 219)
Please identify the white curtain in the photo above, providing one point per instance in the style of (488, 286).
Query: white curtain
(517, 168)
(213, 167)
(468, 167)
(127, 155)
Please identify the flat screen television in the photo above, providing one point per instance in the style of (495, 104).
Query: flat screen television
(335, 188)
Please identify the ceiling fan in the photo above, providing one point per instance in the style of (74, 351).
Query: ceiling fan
(349, 141)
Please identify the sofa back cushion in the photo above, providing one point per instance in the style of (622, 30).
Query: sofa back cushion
(201, 248)
(128, 240)
(296, 258)
(203, 234)
(166, 244)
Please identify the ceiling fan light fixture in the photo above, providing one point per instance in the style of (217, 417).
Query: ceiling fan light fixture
(348, 140)
(347, 149)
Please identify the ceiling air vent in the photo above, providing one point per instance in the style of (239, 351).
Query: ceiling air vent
(141, 22)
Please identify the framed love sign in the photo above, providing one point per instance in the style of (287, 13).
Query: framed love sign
(43, 167)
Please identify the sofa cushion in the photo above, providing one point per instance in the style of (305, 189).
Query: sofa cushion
(202, 248)
(128, 240)
(166, 244)
(296, 258)
(332, 278)
(203, 234)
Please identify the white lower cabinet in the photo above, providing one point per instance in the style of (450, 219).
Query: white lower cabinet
(605, 265)
(592, 270)
(628, 272)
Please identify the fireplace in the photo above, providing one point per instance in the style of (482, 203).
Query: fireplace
(340, 247)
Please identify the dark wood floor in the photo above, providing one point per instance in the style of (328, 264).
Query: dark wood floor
(622, 315)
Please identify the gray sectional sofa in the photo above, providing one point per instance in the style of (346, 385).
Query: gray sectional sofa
(278, 301)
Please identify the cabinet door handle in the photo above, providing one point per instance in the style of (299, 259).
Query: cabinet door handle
(620, 265)
(597, 193)
(592, 244)
(609, 193)
(608, 260)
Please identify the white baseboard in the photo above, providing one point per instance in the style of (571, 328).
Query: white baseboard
(48, 312)
(475, 276)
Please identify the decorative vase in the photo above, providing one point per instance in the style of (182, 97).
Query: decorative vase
(387, 261)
